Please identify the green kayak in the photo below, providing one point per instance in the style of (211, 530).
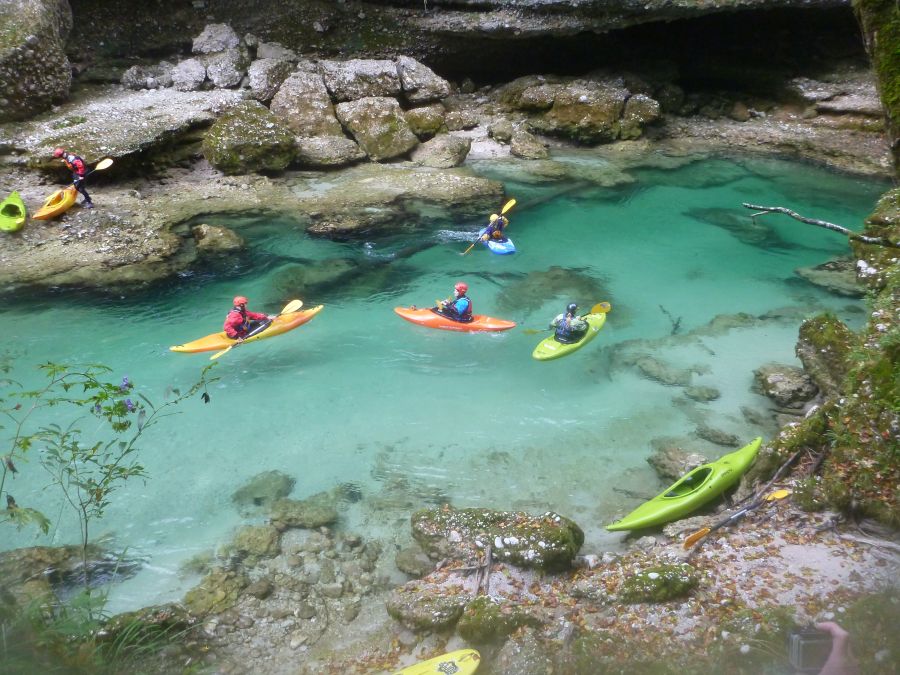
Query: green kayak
(692, 491)
(551, 348)
(12, 213)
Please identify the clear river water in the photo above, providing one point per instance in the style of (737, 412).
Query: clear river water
(410, 416)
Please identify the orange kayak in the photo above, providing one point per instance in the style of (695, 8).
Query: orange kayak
(56, 204)
(431, 319)
(218, 341)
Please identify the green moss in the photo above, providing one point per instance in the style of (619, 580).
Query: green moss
(485, 620)
(808, 433)
(659, 584)
(753, 641)
(872, 622)
(71, 121)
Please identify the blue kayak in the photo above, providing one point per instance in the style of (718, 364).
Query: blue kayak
(503, 246)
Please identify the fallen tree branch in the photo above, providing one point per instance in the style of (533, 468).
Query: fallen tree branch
(877, 241)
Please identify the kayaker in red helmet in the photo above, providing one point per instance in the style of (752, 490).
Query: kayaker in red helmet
(459, 307)
(76, 165)
(240, 321)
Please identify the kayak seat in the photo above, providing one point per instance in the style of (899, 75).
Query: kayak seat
(575, 338)
(450, 316)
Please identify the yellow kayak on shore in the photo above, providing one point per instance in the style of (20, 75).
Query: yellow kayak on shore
(460, 662)
(218, 341)
(56, 204)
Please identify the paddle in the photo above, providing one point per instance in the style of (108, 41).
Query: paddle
(292, 306)
(101, 165)
(506, 207)
(599, 308)
(734, 517)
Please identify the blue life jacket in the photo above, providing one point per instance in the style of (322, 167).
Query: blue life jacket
(466, 314)
(564, 332)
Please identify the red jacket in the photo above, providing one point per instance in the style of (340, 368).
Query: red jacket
(75, 164)
(237, 324)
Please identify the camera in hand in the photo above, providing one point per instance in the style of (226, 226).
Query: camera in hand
(808, 649)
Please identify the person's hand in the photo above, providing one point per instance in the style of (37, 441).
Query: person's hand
(840, 660)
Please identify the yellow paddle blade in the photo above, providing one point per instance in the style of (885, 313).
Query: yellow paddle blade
(507, 206)
(778, 494)
(292, 306)
(103, 164)
(694, 538)
(221, 353)
(601, 308)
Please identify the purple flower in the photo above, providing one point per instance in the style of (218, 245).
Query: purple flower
(129, 405)
(97, 408)
(126, 385)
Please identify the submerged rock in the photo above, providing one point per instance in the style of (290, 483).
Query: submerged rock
(413, 561)
(263, 490)
(315, 511)
(547, 542)
(836, 276)
(672, 462)
(255, 542)
(219, 590)
(216, 239)
(566, 284)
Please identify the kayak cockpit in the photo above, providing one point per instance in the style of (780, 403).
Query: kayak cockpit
(690, 483)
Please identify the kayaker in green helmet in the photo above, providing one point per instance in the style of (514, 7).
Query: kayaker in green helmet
(569, 326)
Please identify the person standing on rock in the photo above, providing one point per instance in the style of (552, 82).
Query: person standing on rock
(240, 322)
(76, 165)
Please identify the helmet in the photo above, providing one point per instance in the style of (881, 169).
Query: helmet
(494, 217)
(240, 300)
(59, 152)
(462, 287)
(572, 308)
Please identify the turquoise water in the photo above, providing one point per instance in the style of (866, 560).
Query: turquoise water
(414, 416)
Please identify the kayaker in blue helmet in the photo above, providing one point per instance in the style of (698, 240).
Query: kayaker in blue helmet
(495, 227)
(459, 307)
(569, 326)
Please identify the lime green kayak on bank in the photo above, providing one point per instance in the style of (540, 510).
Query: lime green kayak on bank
(692, 491)
(12, 213)
(551, 348)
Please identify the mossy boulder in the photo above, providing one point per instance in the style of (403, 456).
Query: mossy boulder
(659, 584)
(262, 490)
(442, 152)
(420, 611)
(315, 511)
(788, 386)
(426, 121)
(413, 561)
(585, 111)
(319, 152)
(256, 542)
(824, 348)
(876, 266)
(148, 622)
(215, 239)
(302, 103)
(219, 590)
(247, 139)
(378, 125)
(547, 542)
(34, 70)
(486, 620)
(360, 78)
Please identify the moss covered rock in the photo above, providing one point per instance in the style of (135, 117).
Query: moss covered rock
(315, 511)
(422, 611)
(255, 542)
(487, 620)
(426, 121)
(302, 103)
(247, 139)
(546, 542)
(378, 125)
(823, 348)
(218, 591)
(34, 69)
(262, 490)
(659, 584)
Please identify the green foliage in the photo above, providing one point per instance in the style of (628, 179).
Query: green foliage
(872, 622)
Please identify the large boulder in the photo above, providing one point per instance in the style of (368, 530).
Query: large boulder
(787, 386)
(378, 125)
(189, 75)
(263, 490)
(266, 76)
(527, 146)
(587, 111)
(426, 121)
(248, 138)
(421, 612)
(420, 83)
(227, 68)
(547, 542)
(216, 37)
(315, 511)
(360, 78)
(215, 239)
(327, 152)
(442, 152)
(640, 110)
(824, 347)
(303, 104)
(34, 70)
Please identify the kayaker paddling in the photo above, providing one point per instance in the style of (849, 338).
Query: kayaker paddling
(495, 227)
(459, 307)
(240, 321)
(569, 326)
(77, 166)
